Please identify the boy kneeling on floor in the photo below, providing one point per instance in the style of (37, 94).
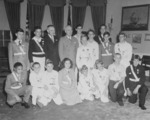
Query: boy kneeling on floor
(135, 80)
(16, 86)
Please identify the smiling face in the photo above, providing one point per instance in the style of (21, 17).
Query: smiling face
(19, 69)
(135, 62)
(100, 66)
(51, 30)
(84, 40)
(102, 29)
(49, 67)
(117, 58)
(38, 32)
(85, 72)
(68, 31)
(67, 64)
(106, 38)
(20, 35)
(122, 38)
(37, 68)
(79, 30)
(91, 35)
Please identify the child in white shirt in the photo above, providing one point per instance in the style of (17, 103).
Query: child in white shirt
(86, 87)
(101, 80)
(50, 80)
(35, 79)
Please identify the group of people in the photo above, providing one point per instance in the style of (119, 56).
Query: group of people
(73, 69)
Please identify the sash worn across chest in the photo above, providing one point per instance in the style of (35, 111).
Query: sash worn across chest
(134, 74)
(107, 50)
(19, 85)
(21, 51)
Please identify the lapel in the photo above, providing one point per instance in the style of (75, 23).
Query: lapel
(51, 41)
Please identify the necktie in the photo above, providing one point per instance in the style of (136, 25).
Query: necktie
(52, 37)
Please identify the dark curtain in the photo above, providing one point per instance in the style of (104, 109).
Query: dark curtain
(69, 16)
(78, 15)
(57, 15)
(98, 10)
(36, 13)
(13, 14)
(78, 12)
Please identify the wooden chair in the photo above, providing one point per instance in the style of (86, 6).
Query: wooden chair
(146, 63)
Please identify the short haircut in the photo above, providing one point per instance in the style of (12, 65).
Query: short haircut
(68, 26)
(106, 33)
(103, 25)
(36, 63)
(136, 57)
(79, 25)
(122, 33)
(84, 35)
(90, 30)
(84, 67)
(98, 62)
(63, 63)
(19, 30)
(48, 61)
(18, 64)
(50, 26)
(37, 27)
(117, 54)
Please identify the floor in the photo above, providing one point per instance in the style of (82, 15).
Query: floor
(95, 110)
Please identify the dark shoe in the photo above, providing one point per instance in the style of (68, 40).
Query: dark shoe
(142, 107)
(10, 106)
(120, 103)
(26, 105)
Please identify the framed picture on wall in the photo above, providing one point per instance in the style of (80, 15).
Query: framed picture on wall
(135, 18)
(147, 37)
(136, 38)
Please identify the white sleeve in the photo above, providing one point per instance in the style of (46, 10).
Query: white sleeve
(78, 57)
(97, 51)
(116, 48)
(56, 75)
(128, 55)
(34, 82)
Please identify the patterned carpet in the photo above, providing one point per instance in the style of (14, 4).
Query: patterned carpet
(95, 110)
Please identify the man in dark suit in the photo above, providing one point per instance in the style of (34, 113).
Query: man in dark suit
(51, 46)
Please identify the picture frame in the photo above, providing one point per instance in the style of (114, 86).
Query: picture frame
(136, 38)
(147, 37)
(135, 18)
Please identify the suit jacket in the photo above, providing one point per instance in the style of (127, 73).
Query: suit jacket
(16, 55)
(11, 80)
(51, 50)
(68, 48)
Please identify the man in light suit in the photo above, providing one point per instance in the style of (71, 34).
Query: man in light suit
(68, 46)
(51, 46)
(16, 86)
(18, 51)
